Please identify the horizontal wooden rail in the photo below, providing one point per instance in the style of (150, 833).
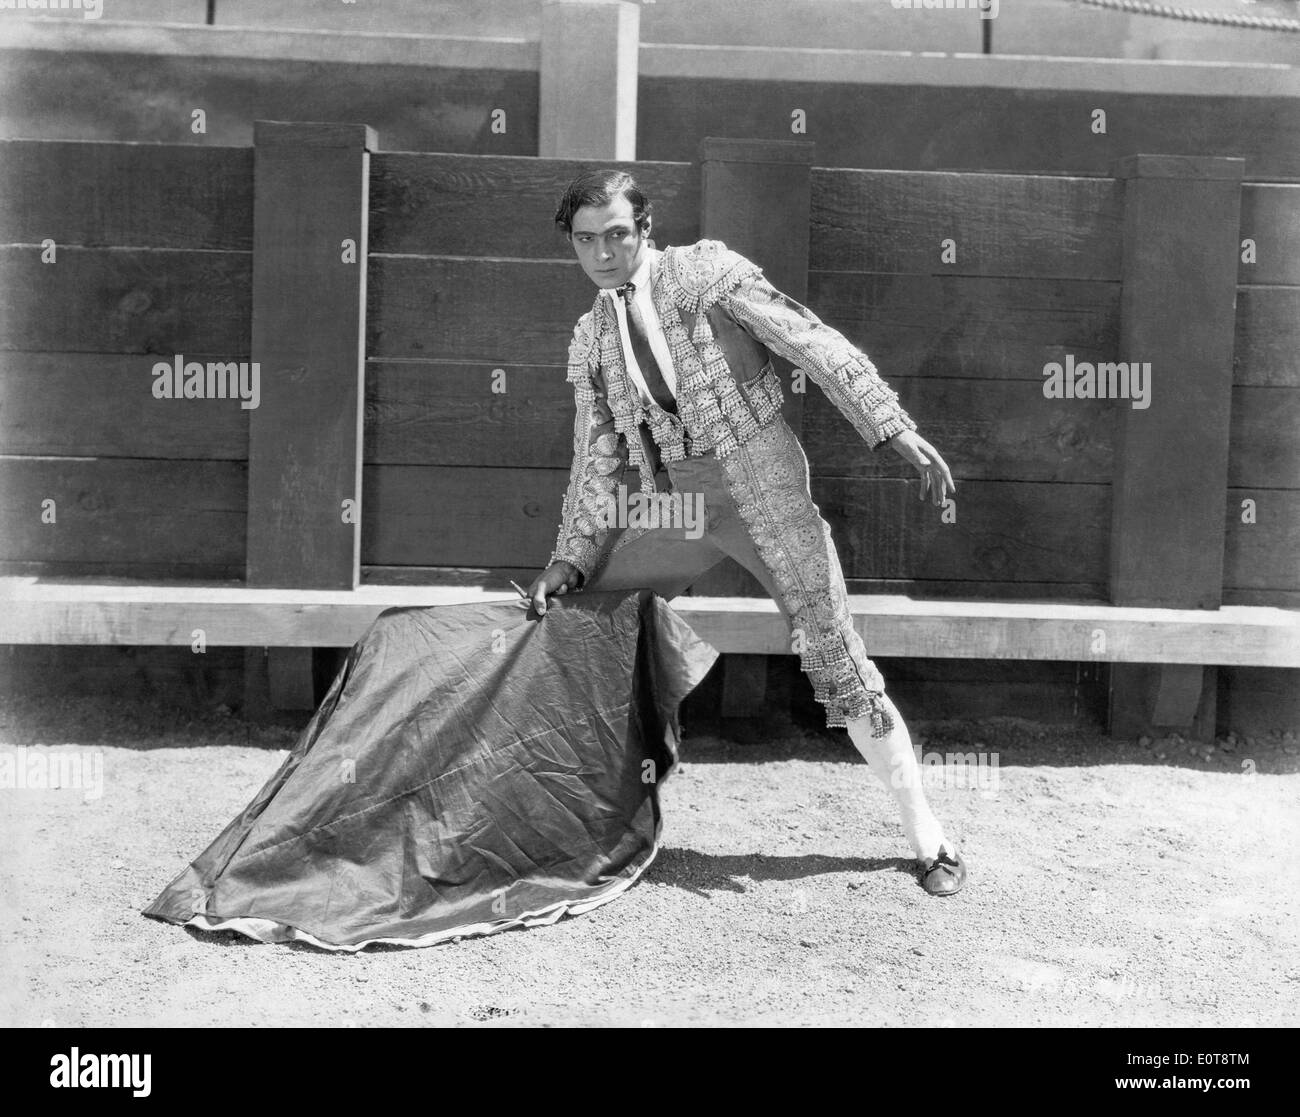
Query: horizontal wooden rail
(44, 611)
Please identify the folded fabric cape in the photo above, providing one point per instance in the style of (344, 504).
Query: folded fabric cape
(472, 768)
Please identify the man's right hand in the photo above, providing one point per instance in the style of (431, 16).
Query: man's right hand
(559, 577)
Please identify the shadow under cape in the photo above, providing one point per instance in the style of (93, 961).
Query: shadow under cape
(472, 768)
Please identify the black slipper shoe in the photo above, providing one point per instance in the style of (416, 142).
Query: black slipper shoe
(943, 876)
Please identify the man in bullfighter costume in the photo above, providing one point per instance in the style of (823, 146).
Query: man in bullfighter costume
(674, 385)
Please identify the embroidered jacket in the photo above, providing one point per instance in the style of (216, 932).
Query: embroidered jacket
(721, 317)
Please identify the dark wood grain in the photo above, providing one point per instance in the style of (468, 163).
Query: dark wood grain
(1262, 555)
(126, 195)
(130, 301)
(102, 405)
(165, 514)
(487, 205)
(894, 222)
(474, 310)
(1264, 447)
(1004, 531)
(1270, 216)
(435, 413)
(955, 326)
(448, 516)
(1266, 348)
(996, 430)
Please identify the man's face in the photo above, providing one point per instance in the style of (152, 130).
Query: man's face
(607, 242)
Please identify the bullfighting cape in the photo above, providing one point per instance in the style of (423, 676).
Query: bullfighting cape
(472, 768)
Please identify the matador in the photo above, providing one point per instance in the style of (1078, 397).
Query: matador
(675, 392)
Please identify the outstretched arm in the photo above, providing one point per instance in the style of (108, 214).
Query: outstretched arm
(842, 371)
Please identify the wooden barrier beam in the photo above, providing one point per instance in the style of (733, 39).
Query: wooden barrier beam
(1182, 220)
(46, 610)
(310, 220)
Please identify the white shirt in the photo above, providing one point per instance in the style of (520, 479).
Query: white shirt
(643, 277)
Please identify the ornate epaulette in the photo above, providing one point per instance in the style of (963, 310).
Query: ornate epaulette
(699, 274)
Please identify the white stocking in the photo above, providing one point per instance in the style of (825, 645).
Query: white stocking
(894, 763)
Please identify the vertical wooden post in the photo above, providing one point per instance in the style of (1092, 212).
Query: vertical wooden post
(587, 92)
(310, 214)
(756, 197)
(1178, 309)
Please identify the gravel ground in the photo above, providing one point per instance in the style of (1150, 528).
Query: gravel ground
(1112, 883)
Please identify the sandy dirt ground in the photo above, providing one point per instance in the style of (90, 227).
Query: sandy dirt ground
(1113, 883)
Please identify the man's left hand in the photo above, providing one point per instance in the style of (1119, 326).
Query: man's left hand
(935, 477)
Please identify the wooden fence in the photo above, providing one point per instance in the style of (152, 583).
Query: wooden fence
(118, 256)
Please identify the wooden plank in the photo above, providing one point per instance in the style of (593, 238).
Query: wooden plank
(959, 326)
(304, 467)
(132, 569)
(1182, 217)
(1004, 531)
(1262, 700)
(481, 577)
(451, 205)
(128, 301)
(1051, 691)
(126, 195)
(508, 517)
(498, 578)
(1020, 630)
(1270, 216)
(756, 196)
(500, 517)
(1178, 693)
(1051, 703)
(102, 405)
(1285, 599)
(474, 310)
(156, 674)
(1018, 126)
(908, 325)
(1266, 341)
(446, 413)
(968, 589)
(123, 510)
(893, 222)
(46, 612)
(985, 429)
(1264, 448)
(1262, 555)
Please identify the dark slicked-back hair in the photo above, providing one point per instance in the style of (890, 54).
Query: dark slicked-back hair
(599, 188)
